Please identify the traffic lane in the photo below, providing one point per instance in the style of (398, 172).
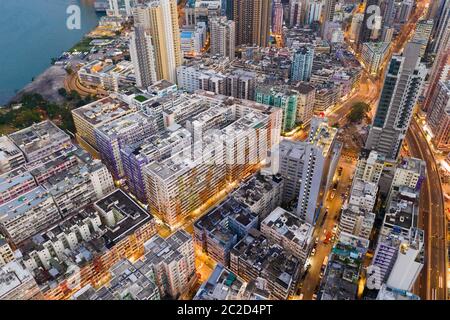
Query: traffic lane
(312, 279)
(435, 265)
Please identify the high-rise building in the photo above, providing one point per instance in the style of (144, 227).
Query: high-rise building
(253, 21)
(355, 27)
(302, 63)
(160, 20)
(373, 55)
(406, 8)
(113, 136)
(368, 23)
(329, 9)
(313, 11)
(422, 34)
(277, 17)
(173, 263)
(143, 57)
(441, 32)
(388, 12)
(280, 97)
(96, 114)
(439, 72)
(438, 117)
(223, 37)
(295, 11)
(401, 90)
(306, 102)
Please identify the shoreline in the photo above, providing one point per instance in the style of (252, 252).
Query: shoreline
(49, 80)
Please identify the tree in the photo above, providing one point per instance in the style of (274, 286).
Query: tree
(62, 92)
(358, 112)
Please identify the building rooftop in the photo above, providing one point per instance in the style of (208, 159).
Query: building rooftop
(402, 210)
(103, 110)
(23, 203)
(254, 189)
(289, 226)
(128, 215)
(160, 250)
(412, 164)
(221, 285)
(322, 135)
(128, 282)
(270, 260)
(342, 272)
(14, 178)
(388, 293)
(127, 123)
(38, 136)
(7, 148)
(12, 276)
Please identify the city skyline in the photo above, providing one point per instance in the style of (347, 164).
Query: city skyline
(234, 150)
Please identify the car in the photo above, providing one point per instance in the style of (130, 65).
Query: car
(300, 297)
(335, 228)
(313, 252)
(316, 241)
(314, 296)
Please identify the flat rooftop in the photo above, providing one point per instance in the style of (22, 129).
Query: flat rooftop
(7, 148)
(23, 203)
(132, 215)
(14, 178)
(289, 226)
(38, 136)
(103, 110)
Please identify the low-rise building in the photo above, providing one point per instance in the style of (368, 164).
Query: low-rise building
(28, 214)
(17, 283)
(283, 228)
(225, 285)
(254, 257)
(15, 183)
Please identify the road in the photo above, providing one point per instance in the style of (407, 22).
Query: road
(432, 284)
(313, 277)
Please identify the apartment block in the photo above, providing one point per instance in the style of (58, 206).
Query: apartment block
(17, 283)
(284, 228)
(28, 214)
(261, 194)
(97, 114)
(40, 140)
(11, 156)
(254, 257)
(173, 263)
(113, 136)
(15, 183)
